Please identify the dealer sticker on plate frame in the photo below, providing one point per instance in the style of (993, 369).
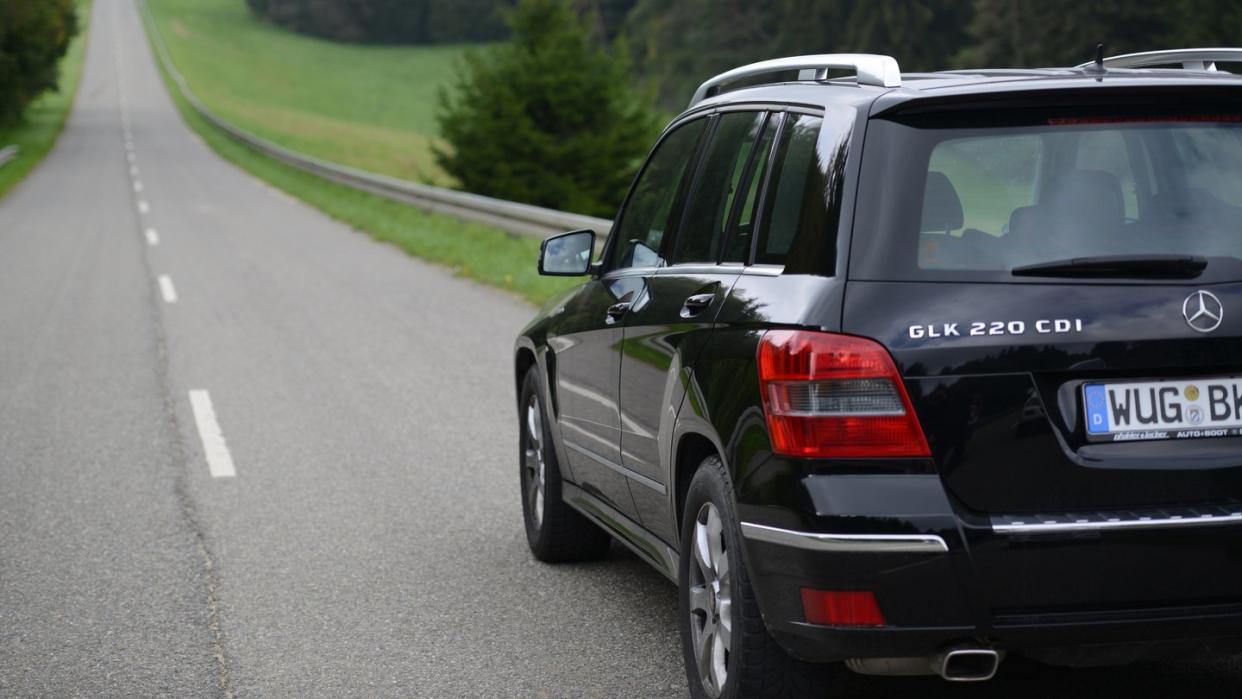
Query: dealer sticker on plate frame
(1183, 409)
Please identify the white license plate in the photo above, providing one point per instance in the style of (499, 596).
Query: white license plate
(1188, 409)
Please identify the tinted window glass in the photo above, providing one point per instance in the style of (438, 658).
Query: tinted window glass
(707, 212)
(645, 234)
(994, 199)
(803, 197)
(996, 177)
(737, 247)
(1090, 203)
(1213, 161)
(1108, 151)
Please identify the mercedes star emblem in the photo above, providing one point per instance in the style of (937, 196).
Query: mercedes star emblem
(1203, 311)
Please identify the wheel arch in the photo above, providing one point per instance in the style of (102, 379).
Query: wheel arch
(693, 445)
(523, 359)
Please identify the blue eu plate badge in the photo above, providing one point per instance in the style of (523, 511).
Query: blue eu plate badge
(1097, 409)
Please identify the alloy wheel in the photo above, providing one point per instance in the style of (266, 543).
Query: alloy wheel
(711, 600)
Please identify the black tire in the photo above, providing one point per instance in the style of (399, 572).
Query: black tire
(755, 666)
(556, 532)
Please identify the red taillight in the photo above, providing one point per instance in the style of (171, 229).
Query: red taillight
(829, 395)
(835, 608)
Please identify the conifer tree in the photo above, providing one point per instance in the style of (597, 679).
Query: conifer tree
(548, 118)
(34, 35)
(1027, 33)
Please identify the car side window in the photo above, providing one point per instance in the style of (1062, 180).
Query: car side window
(801, 207)
(741, 233)
(796, 199)
(724, 165)
(644, 236)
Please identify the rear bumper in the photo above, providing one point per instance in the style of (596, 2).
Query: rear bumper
(1073, 596)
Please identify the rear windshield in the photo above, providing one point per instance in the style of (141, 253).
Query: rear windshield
(976, 203)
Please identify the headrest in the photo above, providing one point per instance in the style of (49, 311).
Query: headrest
(1088, 197)
(942, 209)
(1025, 220)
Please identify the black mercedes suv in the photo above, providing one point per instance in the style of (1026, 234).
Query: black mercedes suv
(911, 371)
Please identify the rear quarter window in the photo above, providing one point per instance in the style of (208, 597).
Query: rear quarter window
(800, 209)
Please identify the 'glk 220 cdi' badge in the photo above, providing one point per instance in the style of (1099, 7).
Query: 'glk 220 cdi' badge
(1059, 326)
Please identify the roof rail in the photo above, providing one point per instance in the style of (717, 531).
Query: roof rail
(1191, 59)
(872, 69)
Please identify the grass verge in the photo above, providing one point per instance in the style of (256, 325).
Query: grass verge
(481, 253)
(367, 106)
(45, 118)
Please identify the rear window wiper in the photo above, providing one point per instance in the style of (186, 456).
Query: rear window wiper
(1125, 266)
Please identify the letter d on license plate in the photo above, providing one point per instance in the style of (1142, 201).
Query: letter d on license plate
(1181, 409)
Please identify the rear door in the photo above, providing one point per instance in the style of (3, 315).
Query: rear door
(1065, 302)
(673, 315)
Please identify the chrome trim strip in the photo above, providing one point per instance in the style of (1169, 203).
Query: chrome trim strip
(628, 473)
(764, 270)
(846, 543)
(1052, 527)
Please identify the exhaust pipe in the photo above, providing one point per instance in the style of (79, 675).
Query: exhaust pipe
(965, 664)
(955, 664)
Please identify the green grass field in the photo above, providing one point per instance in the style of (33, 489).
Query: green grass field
(474, 251)
(46, 116)
(371, 107)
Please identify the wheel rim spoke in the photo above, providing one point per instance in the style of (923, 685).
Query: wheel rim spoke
(726, 621)
(714, 539)
(539, 494)
(532, 498)
(720, 671)
(534, 462)
(700, 600)
(702, 552)
(703, 654)
(533, 429)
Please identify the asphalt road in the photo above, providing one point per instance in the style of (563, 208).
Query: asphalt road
(369, 540)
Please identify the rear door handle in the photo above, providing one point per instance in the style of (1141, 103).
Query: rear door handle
(696, 304)
(617, 311)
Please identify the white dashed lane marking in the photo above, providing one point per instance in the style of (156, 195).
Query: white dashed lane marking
(143, 206)
(153, 238)
(219, 460)
(167, 289)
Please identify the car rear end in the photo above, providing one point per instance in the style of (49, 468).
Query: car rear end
(1051, 461)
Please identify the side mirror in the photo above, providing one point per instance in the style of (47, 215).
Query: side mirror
(567, 254)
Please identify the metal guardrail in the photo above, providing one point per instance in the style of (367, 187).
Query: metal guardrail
(8, 153)
(509, 216)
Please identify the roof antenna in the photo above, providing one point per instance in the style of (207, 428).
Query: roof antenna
(1098, 66)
